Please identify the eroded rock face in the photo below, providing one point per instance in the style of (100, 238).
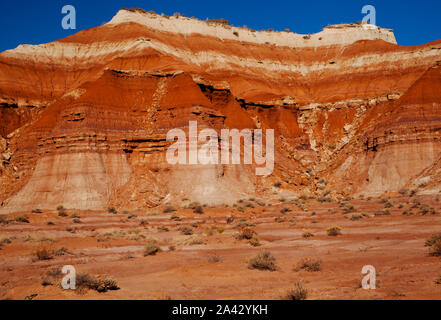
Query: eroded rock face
(86, 124)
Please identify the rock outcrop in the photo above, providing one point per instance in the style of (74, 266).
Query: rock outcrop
(84, 119)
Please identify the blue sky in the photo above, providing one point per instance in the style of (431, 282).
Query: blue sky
(34, 22)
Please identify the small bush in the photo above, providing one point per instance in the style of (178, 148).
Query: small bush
(151, 248)
(254, 241)
(309, 264)
(245, 233)
(169, 209)
(285, 210)
(112, 210)
(198, 210)
(43, 254)
(333, 231)
(76, 220)
(214, 258)
(299, 292)
(263, 261)
(37, 211)
(307, 234)
(186, 231)
(22, 219)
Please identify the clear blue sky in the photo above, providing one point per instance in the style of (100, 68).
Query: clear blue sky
(35, 22)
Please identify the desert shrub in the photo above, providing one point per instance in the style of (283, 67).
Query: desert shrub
(249, 205)
(245, 233)
(299, 292)
(214, 258)
(438, 281)
(279, 219)
(348, 208)
(169, 209)
(285, 210)
(151, 248)
(433, 238)
(37, 211)
(76, 220)
(112, 210)
(220, 230)
(435, 249)
(407, 213)
(175, 217)
(254, 241)
(277, 184)
(384, 212)
(163, 229)
(263, 261)
(388, 204)
(132, 216)
(43, 254)
(434, 244)
(60, 252)
(307, 234)
(4, 220)
(186, 231)
(355, 217)
(403, 192)
(309, 264)
(333, 231)
(22, 219)
(143, 223)
(425, 209)
(198, 210)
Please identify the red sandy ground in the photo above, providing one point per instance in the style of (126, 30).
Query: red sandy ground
(393, 244)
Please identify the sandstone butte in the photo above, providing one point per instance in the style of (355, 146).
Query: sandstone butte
(84, 119)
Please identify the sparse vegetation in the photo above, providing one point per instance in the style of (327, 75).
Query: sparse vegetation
(186, 231)
(245, 233)
(43, 254)
(22, 219)
(169, 209)
(307, 234)
(334, 231)
(85, 281)
(434, 244)
(214, 258)
(309, 264)
(263, 261)
(299, 292)
(151, 248)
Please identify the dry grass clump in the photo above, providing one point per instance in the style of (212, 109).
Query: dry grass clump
(214, 258)
(254, 241)
(307, 234)
(263, 261)
(334, 231)
(151, 248)
(22, 219)
(169, 209)
(309, 264)
(44, 254)
(434, 244)
(299, 292)
(186, 231)
(245, 233)
(85, 281)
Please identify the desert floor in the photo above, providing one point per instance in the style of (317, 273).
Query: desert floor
(212, 263)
